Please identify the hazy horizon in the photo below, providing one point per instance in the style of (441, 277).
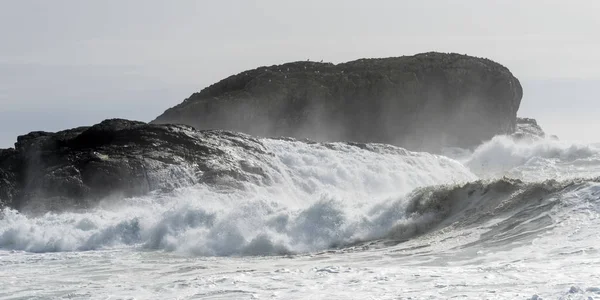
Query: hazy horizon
(68, 63)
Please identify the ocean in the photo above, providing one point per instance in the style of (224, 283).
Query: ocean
(507, 220)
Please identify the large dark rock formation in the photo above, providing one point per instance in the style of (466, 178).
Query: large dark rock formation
(78, 167)
(419, 102)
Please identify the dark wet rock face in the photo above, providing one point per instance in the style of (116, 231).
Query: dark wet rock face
(8, 177)
(422, 102)
(78, 167)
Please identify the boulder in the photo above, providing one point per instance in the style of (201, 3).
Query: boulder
(421, 102)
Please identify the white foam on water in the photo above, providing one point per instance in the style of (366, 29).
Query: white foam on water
(560, 263)
(533, 160)
(173, 245)
(321, 196)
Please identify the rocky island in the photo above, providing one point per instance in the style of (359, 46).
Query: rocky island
(421, 102)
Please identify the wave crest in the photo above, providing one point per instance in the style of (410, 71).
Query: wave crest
(533, 160)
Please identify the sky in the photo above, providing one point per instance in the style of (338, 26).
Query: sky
(71, 63)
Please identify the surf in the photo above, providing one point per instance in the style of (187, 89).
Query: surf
(322, 196)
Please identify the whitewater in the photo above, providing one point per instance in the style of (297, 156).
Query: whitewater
(508, 220)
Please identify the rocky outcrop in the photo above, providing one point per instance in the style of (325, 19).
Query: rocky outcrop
(78, 167)
(420, 102)
(528, 128)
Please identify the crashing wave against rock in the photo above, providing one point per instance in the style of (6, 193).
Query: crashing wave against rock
(119, 157)
(422, 102)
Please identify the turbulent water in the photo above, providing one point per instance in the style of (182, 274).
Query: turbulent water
(509, 220)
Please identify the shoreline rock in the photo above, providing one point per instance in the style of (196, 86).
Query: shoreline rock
(76, 168)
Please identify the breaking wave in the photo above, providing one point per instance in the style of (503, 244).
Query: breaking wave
(331, 196)
(534, 160)
(318, 198)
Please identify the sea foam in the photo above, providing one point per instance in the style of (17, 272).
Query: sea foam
(321, 195)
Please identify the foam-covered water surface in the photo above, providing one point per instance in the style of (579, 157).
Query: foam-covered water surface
(321, 196)
(508, 220)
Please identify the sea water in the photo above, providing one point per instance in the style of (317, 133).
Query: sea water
(508, 220)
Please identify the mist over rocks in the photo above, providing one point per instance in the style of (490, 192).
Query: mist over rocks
(421, 102)
(76, 168)
(117, 159)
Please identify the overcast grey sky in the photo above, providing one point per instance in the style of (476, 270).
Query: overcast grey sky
(69, 63)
